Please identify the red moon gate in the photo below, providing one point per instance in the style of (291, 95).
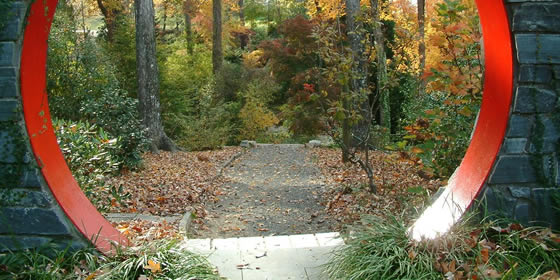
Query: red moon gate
(520, 93)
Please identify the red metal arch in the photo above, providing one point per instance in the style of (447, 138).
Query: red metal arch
(64, 187)
(463, 188)
(467, 182)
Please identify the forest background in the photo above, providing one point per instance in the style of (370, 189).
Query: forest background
(383, 75)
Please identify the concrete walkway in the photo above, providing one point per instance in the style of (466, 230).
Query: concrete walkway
(269, 258)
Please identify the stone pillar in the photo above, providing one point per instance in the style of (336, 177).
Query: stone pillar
(525, 184)
(29, 215)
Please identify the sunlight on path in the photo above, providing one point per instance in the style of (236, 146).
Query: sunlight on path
(272, 257)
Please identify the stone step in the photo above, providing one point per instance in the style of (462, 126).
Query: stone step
(269, 257)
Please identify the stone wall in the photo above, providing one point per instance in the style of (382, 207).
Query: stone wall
(525, 182)
(29, 215)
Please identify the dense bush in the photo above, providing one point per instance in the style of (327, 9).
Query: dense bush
(443, 119)
(193, 114)
(83, 86)
(121, 51)
(118, 114)
(89, 152)
(255, 115)
(76, 68)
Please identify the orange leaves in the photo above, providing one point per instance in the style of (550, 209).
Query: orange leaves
(416, 150)
(153, 266)
(459, 27)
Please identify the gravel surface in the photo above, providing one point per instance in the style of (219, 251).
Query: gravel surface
(270, 190)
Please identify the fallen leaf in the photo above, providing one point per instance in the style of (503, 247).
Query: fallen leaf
(155, 267)
(484, 255)
(550, 275)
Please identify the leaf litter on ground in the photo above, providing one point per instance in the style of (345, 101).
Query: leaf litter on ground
(169, 184)
(397, 178)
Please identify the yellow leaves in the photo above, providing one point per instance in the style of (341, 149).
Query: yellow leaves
(253, 59)
(416, 150)
(123, 229)
(153, 266)
(255, 118)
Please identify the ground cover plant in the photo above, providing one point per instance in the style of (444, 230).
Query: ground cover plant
(163, 259)
(380, 248)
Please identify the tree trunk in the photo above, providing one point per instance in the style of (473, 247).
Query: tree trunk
(382, 93)
(110, 16)
(217, 53)
(164, 17)
(358, 83)
(346, 135)
(421, 45)
(148, 83)
(243, 37)
(188, 27)
(241, 12)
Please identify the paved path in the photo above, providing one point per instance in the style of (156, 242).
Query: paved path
(271, 190)
(269, 224)
(285, 257)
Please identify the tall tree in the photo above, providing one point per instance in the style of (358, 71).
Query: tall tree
(148, 78)
(358, 81)
(381, 59)
(188, 10)
(241, 5)
(111, 10)
(421, 43)
(217, 51)
(243, 37)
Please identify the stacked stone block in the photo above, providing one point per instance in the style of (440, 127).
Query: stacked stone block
(525, 184)
(29, 215)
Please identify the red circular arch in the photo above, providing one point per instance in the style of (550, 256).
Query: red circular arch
(58, 176)
(459, 195)
(468, 180)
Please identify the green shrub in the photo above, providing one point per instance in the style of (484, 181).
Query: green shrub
(76, 68)
(162, 259)
(83, 86)
(255, 115)
(214, 127)
(230, 81)
(88, 151)
(194, 111)
(117, 114)
(121, 52)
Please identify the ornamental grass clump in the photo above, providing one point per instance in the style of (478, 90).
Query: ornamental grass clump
(379, 248)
